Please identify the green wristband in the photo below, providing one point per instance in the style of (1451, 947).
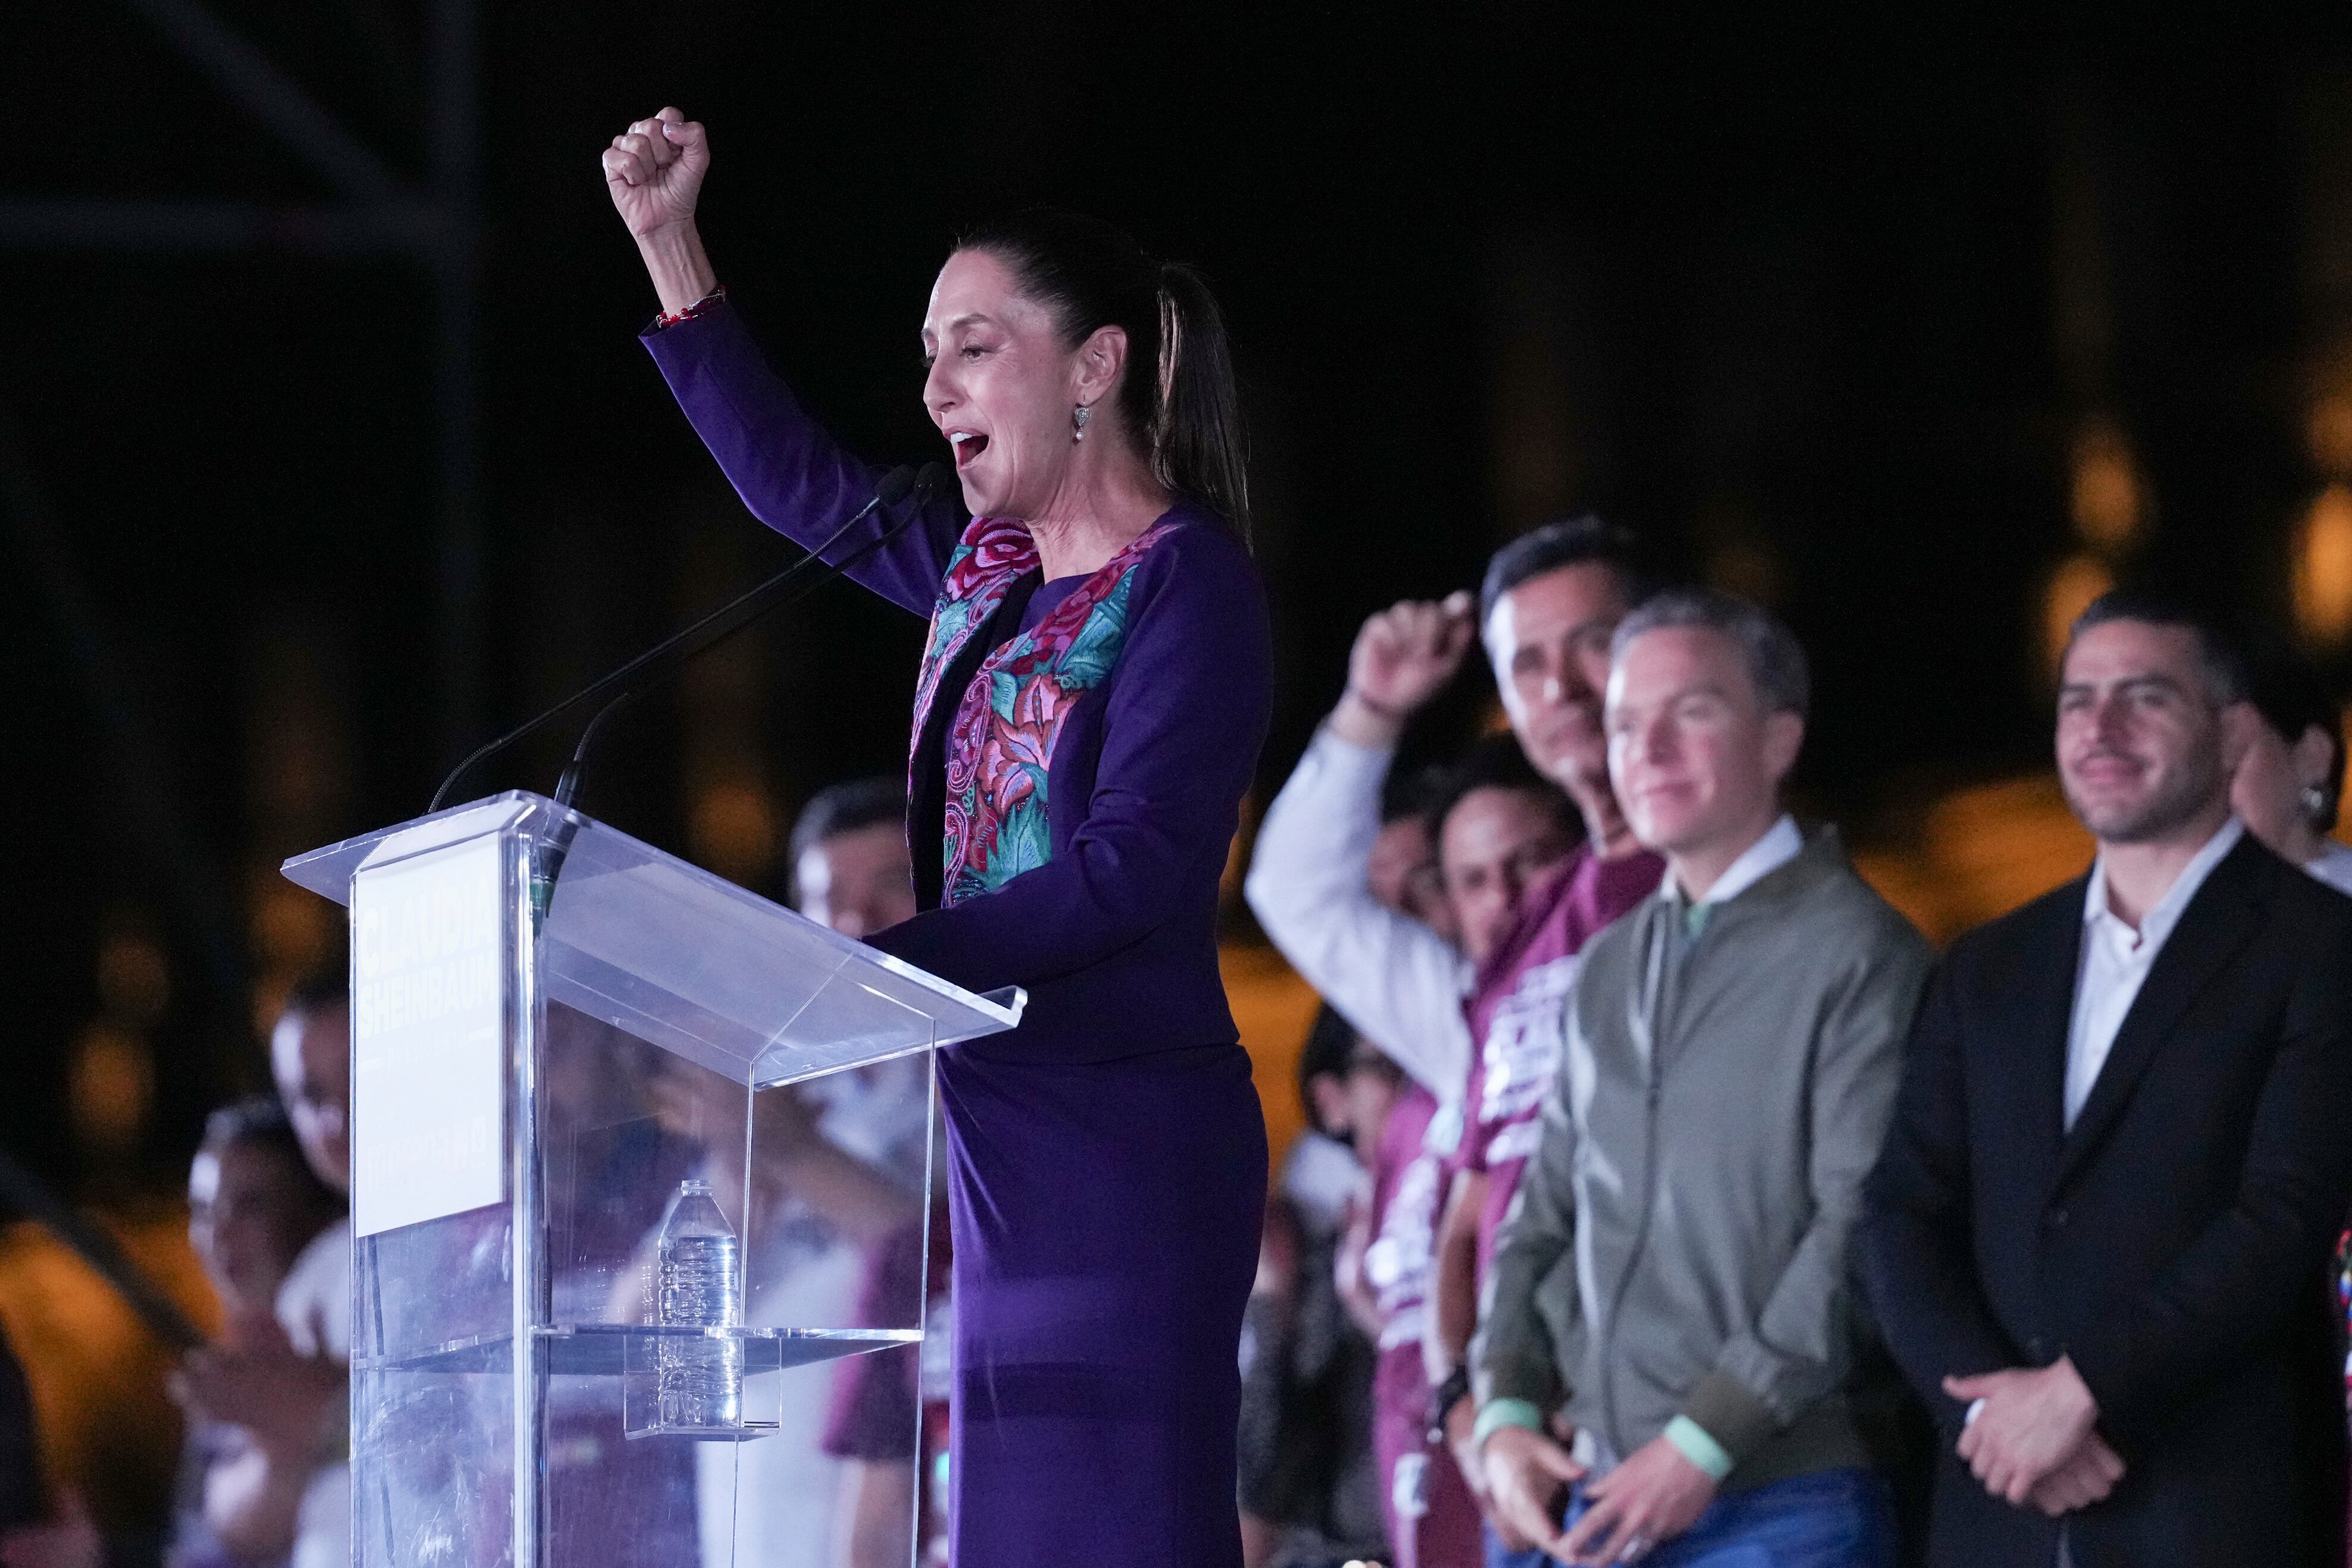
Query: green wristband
(1694, 1443)
(1497, 1414)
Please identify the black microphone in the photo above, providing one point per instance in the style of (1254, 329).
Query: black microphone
(657, 663)
(720, 623)
(758, 602)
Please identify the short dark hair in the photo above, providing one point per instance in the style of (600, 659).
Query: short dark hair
(261, 1122)
(1404, 794)
(2228, 677)
(2287, 691)
(1562, 543)
(256, 1118)
(1331, 1050)
(1496, 762)
(327, 985)
(1331, 1043)
(1776, 659)
(846, 808)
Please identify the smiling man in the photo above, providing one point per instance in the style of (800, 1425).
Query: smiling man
(1672, 1284)
(2099, 1237)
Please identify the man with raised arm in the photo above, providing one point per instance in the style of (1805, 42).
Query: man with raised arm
(1672, 1284)
(1481, 1030)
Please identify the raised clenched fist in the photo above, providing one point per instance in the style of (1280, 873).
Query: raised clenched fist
(655, 171)
(1405, 654)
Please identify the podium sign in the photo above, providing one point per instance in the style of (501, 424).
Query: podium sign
(642, 1192)
(428, 1044)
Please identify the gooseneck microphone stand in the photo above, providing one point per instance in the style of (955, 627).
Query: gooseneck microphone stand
(715, 627)
(624, 684)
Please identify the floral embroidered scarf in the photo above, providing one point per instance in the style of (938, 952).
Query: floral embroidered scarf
(999, 748)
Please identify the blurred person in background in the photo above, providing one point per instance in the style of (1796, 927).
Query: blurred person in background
(2099, 1237)
(1382, 1271)
(254, 1204)
(2289, 785)
(1485, 1030)
(1310, 1480)
(36, 1529)
(1501, 830)
(820, 1213)
(887, 1426)
(1672, 1286)
(851, 869)
(1402, 871)
(1310, 1485)
(282, 1376)
(603, 1158)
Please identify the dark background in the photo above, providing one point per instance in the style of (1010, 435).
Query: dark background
(1826, 308)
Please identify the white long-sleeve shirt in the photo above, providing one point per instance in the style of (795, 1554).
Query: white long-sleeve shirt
(2116, 961)
(1398, 982)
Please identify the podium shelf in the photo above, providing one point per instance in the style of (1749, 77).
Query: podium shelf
(661, 949)
(609, 1349)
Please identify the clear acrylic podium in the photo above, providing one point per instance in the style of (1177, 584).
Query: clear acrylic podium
(554, 1029)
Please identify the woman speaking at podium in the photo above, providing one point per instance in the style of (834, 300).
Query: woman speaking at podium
(1087, 715)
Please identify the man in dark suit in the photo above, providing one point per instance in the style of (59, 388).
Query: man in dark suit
(2099, 1238)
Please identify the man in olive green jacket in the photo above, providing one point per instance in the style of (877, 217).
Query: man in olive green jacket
(1675, 1282)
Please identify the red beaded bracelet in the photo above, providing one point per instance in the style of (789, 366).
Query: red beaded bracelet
(672, 318)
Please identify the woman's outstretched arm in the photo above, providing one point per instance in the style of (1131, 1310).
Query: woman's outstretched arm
(789, 471)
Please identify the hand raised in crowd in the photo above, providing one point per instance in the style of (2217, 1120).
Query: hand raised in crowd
(2031, 1423)
(1527, 1471)
(1655, 1495)
(1402, 657)
(256, 1379)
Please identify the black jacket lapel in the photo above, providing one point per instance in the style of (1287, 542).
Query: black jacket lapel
(2040, 1013)
(2216, 924)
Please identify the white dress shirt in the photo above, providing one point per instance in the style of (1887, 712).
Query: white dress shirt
(2115, 959)
(1398, 982)
(1782, 843)
(2332, 865)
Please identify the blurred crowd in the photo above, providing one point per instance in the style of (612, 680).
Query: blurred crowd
(1664, 1196)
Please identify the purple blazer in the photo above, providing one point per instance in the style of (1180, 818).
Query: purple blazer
(1115, 936)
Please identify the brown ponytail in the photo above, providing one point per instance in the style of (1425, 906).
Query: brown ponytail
(1197, 444)
(1186, 411)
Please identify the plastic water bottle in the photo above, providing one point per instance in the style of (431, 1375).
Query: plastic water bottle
(700, 1280)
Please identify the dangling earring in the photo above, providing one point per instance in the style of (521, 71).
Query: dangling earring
(1079, 419)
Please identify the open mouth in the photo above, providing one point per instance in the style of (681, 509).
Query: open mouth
(968, 445)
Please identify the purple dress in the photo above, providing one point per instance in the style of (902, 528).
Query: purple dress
(1107, 1160)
